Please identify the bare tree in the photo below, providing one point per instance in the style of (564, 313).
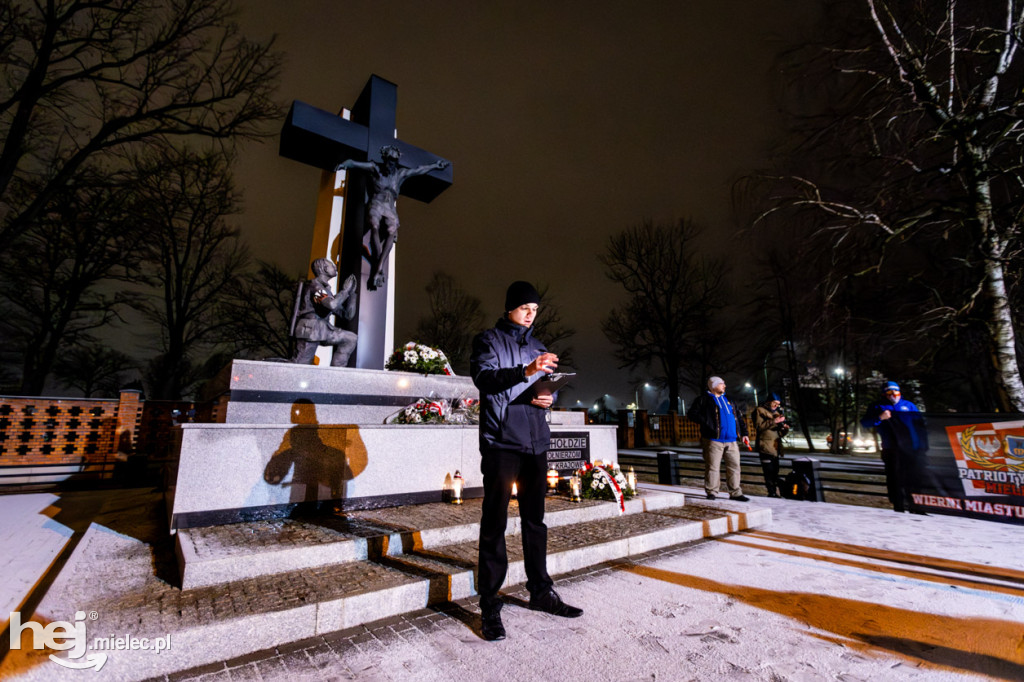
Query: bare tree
(94, 369)
(192, 257)
(455, 317)
(64, 278)
(83, 82)
(552, 331)
(918, 171)
(257, 310)
(667, 323)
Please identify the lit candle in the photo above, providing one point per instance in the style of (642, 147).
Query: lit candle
(574, 488)
(552, 479)
(515, 490)
(457, 483)
(631, 479)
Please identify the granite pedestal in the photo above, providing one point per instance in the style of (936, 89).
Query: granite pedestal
(299, 438)
(267, 392)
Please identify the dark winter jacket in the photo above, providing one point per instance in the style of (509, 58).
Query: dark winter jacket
(498, 365)
(704, 411)
(903, 430)
(769, 433)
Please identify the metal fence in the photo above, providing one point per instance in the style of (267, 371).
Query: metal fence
(857, 477)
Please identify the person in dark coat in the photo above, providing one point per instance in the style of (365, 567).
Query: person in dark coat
(514, 439)
(720, 426)
(770, 425)
(904, 445)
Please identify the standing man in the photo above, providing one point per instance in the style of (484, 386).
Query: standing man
(904, 444)
(720, 426)
(770, 426)
(514, 440)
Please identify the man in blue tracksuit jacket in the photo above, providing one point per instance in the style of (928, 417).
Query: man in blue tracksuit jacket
(720, 426)
(904, 444)
(514, 440)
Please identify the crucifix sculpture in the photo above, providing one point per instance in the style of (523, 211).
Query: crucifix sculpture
(333, 143)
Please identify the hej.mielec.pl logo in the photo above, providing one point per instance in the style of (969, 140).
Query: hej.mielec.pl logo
(61, 635)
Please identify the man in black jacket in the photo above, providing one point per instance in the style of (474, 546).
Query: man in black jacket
(514, 439)
(720, 426)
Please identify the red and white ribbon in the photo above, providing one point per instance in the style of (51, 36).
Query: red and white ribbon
(616, 490)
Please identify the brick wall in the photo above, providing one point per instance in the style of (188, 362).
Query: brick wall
(56, 431)
(53, 431)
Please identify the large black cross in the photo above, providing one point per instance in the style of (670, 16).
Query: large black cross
(322, 139)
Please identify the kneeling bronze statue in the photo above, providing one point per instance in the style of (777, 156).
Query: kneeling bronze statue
(314, 304)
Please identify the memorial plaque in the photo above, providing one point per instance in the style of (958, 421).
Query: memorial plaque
(569, 450)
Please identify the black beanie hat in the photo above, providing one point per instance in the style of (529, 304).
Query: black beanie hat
(520, 293)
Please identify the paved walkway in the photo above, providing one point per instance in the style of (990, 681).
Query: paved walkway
(827, 592)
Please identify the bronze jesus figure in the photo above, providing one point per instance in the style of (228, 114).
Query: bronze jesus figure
(386, 180)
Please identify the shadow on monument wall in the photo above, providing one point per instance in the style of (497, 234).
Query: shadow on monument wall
(984, 646)
(314, 462)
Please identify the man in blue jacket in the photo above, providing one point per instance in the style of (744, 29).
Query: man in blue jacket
(514, 440)
(720, 426)
(904, 444)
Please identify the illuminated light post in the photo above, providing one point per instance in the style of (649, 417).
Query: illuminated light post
(841, 378)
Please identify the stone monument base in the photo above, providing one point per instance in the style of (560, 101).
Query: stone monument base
(227, 473)
(260, 392)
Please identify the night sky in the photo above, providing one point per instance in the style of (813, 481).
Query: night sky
(566, 122)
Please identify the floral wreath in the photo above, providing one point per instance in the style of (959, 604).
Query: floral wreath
(605, 481)
(431, 410)
(415, 357)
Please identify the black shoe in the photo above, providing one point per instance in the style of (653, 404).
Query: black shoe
(550, 602)
(711, 496)
(740, 498)
(491, 627)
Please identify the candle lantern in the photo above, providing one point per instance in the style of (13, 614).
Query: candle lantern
(457, 484)
(574, 488)
(631, 479)
(552, 480)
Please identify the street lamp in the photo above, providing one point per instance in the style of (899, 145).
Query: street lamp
(754, 389)
(841, 378)
(636, 395)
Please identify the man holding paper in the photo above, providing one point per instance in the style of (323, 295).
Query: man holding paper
(514, 439)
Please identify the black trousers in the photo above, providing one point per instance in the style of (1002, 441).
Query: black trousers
(902, 473)
(500, 468)
(770, 467)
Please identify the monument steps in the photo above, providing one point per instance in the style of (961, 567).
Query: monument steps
(426, 564)
(210, 555)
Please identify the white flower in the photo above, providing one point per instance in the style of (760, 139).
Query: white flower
(428, 354)
(411, 357)
(410, 346)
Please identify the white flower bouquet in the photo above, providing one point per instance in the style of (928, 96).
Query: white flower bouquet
(415, 357)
